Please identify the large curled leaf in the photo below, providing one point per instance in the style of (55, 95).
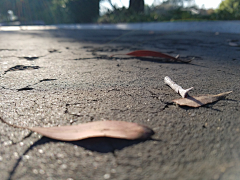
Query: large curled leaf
(147, 53)
(113, 129)
(200, 101)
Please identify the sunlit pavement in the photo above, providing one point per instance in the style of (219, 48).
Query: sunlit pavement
(21, 28)
(199, 26)
(56, 77)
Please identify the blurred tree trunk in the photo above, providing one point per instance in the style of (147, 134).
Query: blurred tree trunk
(83, 11)
(136, 5)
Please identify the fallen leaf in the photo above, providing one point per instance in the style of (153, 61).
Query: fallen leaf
(200, 101)
(113, 129)
(147, 53)
(233, 44)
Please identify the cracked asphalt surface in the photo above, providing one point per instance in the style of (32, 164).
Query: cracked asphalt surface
(67, 77)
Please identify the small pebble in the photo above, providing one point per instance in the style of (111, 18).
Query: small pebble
(7, 143)
(30, 143)
(98, 158)
(35, 171)
(63, 166)
(106, 176)
(15, 154)
(26, 157)
(60, 155)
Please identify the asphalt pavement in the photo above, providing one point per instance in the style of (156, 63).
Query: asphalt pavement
(67, 77)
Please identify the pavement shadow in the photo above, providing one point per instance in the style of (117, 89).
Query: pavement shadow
(99, 144)
(113, 42)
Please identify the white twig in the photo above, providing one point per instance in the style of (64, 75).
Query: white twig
(177, 88)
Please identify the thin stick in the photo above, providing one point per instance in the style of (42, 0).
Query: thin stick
(177, 88)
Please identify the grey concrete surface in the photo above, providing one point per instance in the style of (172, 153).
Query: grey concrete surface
(67, 77)
(187, 26)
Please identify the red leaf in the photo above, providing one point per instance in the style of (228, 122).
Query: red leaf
(147, 53)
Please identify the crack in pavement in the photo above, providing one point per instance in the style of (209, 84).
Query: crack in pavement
(8, 49)
(21, 68)
(76, 115)
(27, 88)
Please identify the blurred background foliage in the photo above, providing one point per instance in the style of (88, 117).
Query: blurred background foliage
(229, 9)
(26, 12)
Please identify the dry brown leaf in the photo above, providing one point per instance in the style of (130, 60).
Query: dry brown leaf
(200, 101)
(233, 44)
(113, 129)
